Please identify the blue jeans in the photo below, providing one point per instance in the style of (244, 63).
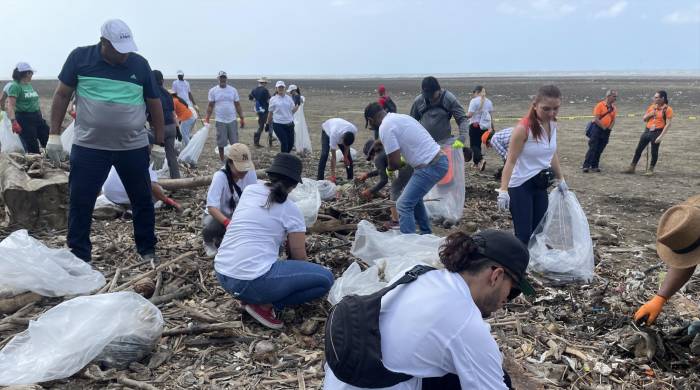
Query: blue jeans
(89, 169)
(288, 282)
(185, 129)
(285, 133)
(528, 204)
(410, 204)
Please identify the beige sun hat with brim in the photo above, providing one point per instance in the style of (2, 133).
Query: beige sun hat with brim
(678, 234)
(263, 80)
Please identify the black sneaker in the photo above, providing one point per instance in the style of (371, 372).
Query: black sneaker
(597, 170)
(585, 170)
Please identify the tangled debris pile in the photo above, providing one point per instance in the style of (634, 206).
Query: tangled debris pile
(573, 336)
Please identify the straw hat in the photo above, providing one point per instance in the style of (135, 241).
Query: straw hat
(678, 234)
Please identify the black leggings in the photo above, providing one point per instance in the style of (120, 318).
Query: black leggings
(325, 150)
(35, 131)
(647, 138)
(475, 134)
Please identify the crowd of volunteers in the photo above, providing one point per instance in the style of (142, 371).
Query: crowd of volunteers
(433, 333)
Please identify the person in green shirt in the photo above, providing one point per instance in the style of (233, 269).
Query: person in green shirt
(24, 111)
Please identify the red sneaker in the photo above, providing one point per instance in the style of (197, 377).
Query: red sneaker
(264, 316)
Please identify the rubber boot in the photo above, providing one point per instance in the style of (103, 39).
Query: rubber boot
(630, 170)
(649, 172)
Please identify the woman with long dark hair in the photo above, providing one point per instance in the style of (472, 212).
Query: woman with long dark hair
(532, 164)
(24, 111)
(658, 121)
(247, 264)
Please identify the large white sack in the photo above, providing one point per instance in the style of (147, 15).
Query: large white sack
(308, 199)
(106, 328)
(190, 154)
(561, 248)
(9, 141)
(371, 245)
(67, 138)
(302, 141)
(27, 264)
(445, 201)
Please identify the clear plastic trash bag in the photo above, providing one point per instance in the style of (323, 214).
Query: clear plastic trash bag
(339, 155)
(302, 141)
(327, 189)
(9, 141)
(561, 248)
(67, 138)
(445, 201)
(308, 199)
(28, 264)
(190, 154)
(107, 328)
(371, 245)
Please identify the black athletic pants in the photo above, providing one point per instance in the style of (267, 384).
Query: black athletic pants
(648, 137)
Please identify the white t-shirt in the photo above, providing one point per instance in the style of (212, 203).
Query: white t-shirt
(281, 108)
(536, 156)
(223, 98)
(6, 88)
(335, 128)
(114, 190)
(252, 240)
(402, 132)
(182, 89)
(474, 108)
(219, 194)
(430, 328)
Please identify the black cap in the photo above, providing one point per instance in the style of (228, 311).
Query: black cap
(505, 249)
(288, 165)
(371, 110)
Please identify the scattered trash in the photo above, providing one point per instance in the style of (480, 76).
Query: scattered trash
(326, 189)
(110, 329)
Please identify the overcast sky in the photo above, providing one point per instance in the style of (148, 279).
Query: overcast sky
(364, 37)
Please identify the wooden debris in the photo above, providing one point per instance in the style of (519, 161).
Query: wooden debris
(12, 304)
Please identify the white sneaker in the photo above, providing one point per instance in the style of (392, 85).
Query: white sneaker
(210, 250)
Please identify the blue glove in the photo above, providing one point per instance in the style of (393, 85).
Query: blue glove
(562, 186)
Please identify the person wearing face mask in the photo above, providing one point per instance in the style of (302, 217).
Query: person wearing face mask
(604, 113)
(225, 190)
(432, 329)
(109, 131)
(658, 121)
(532, 164)
(183, 91)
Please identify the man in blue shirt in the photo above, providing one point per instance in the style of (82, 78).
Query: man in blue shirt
(113, 88)
(262, 101)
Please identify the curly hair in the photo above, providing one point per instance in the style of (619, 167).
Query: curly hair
(460, 252)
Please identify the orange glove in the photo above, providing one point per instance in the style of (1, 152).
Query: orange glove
(332, 179)
(226, 222)
(650, 310)
(16, 128)
(367, 194)
(171, 202)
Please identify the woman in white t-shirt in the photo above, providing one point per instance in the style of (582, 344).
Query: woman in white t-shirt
(247, 264)
(479, 114)
(532, 164)
(225, 190)
(281, 117)
(433, 329)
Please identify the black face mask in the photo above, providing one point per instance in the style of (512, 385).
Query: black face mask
(180, 77)
(427, 96)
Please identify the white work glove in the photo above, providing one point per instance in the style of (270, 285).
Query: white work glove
(503, 200)
(157, 157)
(562, 186)
(54, 148)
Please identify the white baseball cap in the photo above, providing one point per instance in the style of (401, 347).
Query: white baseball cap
(279, 83)
(119, 34)
(24, 67)
(180, 73)
(222, 73)
(291, 88)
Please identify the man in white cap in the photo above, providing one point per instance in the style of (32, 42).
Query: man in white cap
(262, 101)
(225, 103)
(113, 87)
(182, 89)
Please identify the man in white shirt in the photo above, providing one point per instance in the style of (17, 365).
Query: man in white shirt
(225, 190)
(405, 139)
(224, 102)
(182, 89)
(336, 134)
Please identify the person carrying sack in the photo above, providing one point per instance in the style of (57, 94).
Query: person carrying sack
(427, 330)
(658, 121)
(598, 131)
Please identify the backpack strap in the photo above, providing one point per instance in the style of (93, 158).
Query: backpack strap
(440, 105)
(410, 276)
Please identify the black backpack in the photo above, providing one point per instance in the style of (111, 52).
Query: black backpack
(389, 105)
(353, 344)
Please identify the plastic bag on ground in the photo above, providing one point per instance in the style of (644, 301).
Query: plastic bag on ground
(190, 154)
(27, 264)
(339, 155)
(327, 189)
(308, 199)
(67, 337)
(67, 138)
(302, 141)
(561, 248)
(371, 245)
(9, 141)
(445, 201)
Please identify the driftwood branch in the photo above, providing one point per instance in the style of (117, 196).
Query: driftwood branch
(198, 329)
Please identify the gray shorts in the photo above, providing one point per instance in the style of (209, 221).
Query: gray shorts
(226, 133)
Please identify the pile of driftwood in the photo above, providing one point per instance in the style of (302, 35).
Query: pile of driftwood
(577, 337)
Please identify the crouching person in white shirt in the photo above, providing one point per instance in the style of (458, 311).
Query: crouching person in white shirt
(432, 331)
(225, 190)
(247, 265)
(113, 189)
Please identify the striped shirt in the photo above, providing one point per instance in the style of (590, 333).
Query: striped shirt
(500, 140)
(110, 99)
